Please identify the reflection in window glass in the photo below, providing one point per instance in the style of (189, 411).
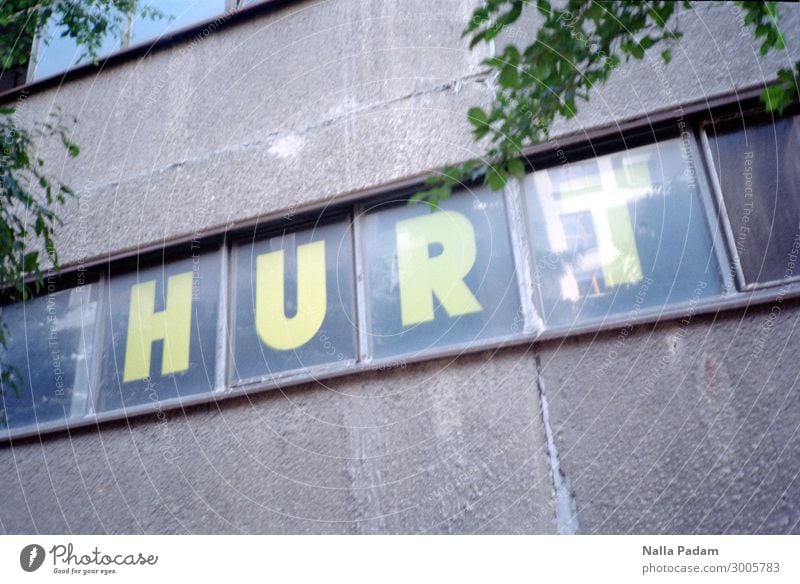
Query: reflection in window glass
(619, 233)
(439, 278)
(294, 301)
(48, 353)
(177, 14)
(58, 53)
(161, 332)
(759, 173)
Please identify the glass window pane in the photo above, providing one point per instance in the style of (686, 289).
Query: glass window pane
(619, 233)
(439, 278)
(161, 332)
(177, 14)
(58, 53)
(294, 301)
(49, 352)
(759, 173)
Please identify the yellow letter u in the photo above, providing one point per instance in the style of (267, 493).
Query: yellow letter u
(273, 327)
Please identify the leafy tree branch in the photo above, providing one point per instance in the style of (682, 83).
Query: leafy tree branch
(575, 48)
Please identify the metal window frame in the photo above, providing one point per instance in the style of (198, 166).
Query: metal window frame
(92, 362)
(722, 214)
(724, 217)
(291, 375)
(98, 341)
(534, 328)
(653, 314)
(714, 215)
(519, 249)
(530, 295)
(123, 44)
(363, 348)
(224, 325)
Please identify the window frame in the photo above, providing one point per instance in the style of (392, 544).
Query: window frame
(269, 231)
(64, 283)
(123, 43)
(524, 290)
(719, 198)
(654, 313)
(351, 207)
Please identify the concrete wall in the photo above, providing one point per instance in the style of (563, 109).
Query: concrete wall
(318, 100)
(446, 446)
(693, 427)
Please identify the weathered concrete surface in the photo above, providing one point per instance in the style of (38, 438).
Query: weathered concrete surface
(450, 446)
(718, 55)
(301, 105)
(687, 427)
(320, 99)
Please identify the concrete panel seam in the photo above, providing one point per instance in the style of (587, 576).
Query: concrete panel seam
(565, 503)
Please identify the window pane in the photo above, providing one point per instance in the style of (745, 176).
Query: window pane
(619, 233)
(177, 14)
(759, 172)
(294, 301)
(439, 278)
(48, 352)
(161, 332)
(58, 53)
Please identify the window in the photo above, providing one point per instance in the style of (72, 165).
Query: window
(49, 353)
(295, 301)
(598, 242)
(161, 332)
(58, 53)
(177, 14)
(438, 278)
(17, 34)
(619, 233)
(758, 167)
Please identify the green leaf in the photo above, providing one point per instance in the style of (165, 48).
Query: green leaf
(30, 261)
(509, 77)
(476, 39)
(477, 117)
(511, 55)
(667, 56)
(420, 195)
(786, 76)
(516, 168)
(647, 42)
(544, 7)
(774, 98)
(495, 179)
(494, 62)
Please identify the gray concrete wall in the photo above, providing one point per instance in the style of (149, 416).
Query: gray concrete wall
(319, 100)
(691, 427)
(448, 446)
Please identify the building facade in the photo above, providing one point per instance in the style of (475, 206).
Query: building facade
(254, 332)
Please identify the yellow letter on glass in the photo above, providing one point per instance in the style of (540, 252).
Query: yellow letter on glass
(173, 325)
(274, 328)
(422, 276)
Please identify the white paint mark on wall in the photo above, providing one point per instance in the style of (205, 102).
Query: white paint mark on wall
(287, 146)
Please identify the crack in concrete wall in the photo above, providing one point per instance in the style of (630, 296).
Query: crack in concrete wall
(275, 137)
